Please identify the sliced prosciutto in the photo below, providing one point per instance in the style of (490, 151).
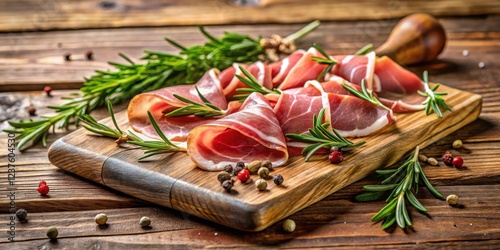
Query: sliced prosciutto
(230, 83)
(281, 68)
(162, 101)
(252, 133)
(304, 70)
(395, 86)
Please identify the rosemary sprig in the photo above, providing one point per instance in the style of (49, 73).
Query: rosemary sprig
(150, 147)
(320, 138)
(205, 109)
(327, 60)
(365, 94)
(159, 70)
(365, 50)
(434, 101)
(253, 85)
(398, 188)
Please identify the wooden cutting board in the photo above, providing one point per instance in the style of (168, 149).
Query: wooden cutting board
(174, 181)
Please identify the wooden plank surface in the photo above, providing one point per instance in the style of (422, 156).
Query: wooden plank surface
(33, 15)
(320, 225)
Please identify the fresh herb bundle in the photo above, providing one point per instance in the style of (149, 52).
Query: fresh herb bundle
(399, 187)
(160, 70)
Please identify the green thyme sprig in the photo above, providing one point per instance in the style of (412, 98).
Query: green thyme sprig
(159, 70)
(253, 85)
(150, 148)
(434, 101)
(327, 60)
(205, 109)
(320, 138)
(365, 94)
(400, 187)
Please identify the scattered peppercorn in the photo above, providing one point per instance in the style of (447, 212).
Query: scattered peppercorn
(457, 144)
(432, 161)
(227, 185)
(336, 157)
(452, 199)
(42, 183)
(263, 172)
(145, 221)
(48, 90)
(21, 214)
(447, 158)
(67, 57)
(278, 179)
(222, 176)
(289, 225)
(239, 166)
(244, 175)
(333, 149)
(267, 164)
(254, 166)
(261, 184)
(101, 219)
(89, 55)
(458, 162)
(52, 233)
(43, 189)
(228, 168)
(31, 110)
(422, 158)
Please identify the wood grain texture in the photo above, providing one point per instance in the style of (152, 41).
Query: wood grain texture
(25, 64)
(66, 14)
(176, 182)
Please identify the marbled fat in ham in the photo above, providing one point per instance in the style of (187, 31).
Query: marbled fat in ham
(252, 133)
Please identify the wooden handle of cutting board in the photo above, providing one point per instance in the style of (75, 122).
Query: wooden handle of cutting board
(417, 38)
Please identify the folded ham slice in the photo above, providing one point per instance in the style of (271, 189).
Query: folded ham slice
(230, 83)
(395, 86)
(252, 133)
(304, 70)
(162, 101)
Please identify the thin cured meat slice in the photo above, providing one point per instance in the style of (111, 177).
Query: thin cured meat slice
(396, 87)
(252, 133)
(284, 66)
(230, 83)
(162, 101)
(304, 70)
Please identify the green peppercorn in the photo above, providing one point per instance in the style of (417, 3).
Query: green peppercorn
(101, 219)
(261, 184)
(21, 214)
(254, 166)
(278, 179)
(267, 164)
(263, 172)
(432, 161)
(52, 233)
(227, 185)
(422, 158)
(289, 225)
(222, 176)
(145, 221)
(452, 199)
(457, 144)
(228, 168)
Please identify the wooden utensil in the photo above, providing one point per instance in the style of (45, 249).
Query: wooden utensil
(417, 38)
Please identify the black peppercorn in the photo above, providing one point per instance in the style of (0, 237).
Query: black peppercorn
(229, 168)
(31, 110)
(67, 57)
(227, 185)
(238, 168)
(21, 214)
(278, 179)
(89, 55)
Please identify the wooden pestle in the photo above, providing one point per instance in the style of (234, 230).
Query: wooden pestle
(417, 38)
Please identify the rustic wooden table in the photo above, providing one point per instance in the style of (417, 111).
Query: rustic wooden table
(34, 36)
